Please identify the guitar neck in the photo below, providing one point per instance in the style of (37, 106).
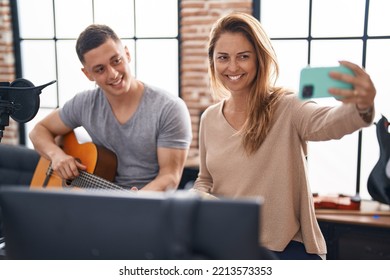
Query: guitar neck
(89, 181)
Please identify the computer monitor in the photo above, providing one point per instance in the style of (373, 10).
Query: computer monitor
(51, 224)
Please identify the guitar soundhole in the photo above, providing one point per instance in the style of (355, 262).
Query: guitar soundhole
(68, 183)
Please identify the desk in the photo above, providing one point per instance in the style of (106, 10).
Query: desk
(354, 235)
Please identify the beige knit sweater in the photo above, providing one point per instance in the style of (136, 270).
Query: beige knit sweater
(277, 171)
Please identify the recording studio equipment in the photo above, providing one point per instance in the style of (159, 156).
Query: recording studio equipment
(19, 100)
(57, 224)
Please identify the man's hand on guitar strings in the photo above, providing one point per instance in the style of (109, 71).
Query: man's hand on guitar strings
(67, 167)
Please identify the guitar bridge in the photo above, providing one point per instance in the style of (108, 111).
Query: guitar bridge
(49, 172)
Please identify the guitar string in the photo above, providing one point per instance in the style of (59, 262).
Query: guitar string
(94, 181)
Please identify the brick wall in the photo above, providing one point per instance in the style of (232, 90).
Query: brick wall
(197, 17)
(7, 69)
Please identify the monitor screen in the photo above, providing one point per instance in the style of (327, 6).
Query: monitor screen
(60, 224)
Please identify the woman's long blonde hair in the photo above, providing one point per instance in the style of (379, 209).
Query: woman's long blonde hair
(263, 95)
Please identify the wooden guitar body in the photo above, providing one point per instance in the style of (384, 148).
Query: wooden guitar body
(100, 162)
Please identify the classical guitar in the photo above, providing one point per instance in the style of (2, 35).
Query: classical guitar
(101, 167)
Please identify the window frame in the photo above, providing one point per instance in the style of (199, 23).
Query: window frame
(17, 40)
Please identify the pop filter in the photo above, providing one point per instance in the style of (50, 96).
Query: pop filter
(19, 100)
(25, 97)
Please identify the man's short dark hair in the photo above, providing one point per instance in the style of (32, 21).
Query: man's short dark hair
(92, 37)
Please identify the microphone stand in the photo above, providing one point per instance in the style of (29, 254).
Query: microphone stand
(6, 108)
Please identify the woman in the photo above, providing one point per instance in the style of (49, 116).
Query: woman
(253, 142)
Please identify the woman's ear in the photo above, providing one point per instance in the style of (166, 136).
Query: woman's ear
(87, 74)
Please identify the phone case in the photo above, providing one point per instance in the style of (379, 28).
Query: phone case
(315, 81)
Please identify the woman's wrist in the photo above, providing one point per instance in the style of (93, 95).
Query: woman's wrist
(365, 111)
(366, 114)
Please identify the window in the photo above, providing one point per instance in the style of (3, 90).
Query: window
(48, 30)
(321, 33)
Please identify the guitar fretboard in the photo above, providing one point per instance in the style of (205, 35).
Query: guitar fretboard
(89, 181)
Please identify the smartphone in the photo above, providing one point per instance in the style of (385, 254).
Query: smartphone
(315, 81)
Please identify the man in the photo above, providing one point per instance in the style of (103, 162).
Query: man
(148, 129)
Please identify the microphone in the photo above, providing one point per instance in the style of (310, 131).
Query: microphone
(19, 100)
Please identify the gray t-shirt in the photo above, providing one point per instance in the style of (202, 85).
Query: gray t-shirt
(161, 120)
